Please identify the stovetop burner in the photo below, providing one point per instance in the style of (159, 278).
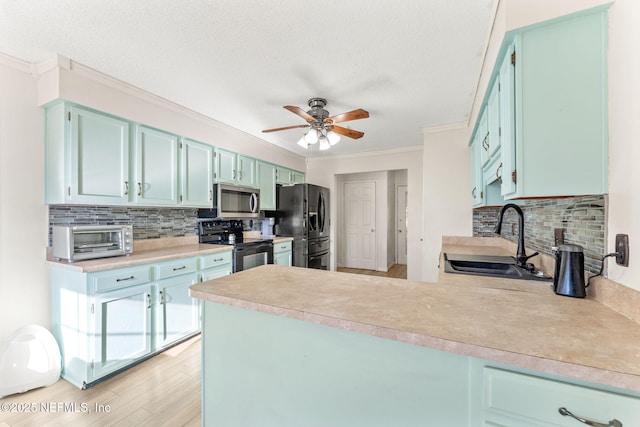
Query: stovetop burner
(225, 233)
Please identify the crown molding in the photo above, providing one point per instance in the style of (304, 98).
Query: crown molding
(445, 128)
(15, 63)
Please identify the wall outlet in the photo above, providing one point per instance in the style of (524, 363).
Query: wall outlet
(558, 236)
(622, 247)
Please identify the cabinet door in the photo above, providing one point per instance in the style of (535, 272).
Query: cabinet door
(156, 166)
(267, 183)
(246, 171)
(477, 187)
(196, 173)
(99, 159)
(283, 176)
(493, 119)
(483, 135)
(225, 166)
(178, 313)
(507, 124)
(122, 328)
(282, 258)
(297, 177)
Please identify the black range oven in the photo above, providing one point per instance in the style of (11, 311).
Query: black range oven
(247, 253)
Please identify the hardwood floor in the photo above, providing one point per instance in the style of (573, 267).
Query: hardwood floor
(397, 271)
(162, 391)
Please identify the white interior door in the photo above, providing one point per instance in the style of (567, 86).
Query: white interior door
(401, 219)
(360, 224)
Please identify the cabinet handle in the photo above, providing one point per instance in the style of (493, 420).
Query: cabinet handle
(473, 192)
(499, 175)
(179, 268)
(234, 174)
(125, 279)
(240, 177)
(218, 259)
(126, 188)
(139, 189)
(148, 300)
(161, 297)
(210, 195)
(613, 423)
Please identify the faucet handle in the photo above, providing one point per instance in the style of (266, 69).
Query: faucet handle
(522, 260)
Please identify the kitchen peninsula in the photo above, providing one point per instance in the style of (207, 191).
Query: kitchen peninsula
(290, 346)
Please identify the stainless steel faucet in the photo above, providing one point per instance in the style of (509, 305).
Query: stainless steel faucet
(521, 256)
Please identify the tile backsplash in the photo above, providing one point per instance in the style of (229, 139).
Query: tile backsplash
(147, 222)
(582, 218)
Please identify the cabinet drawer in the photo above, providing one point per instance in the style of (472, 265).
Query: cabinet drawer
(281, 247)
(177, 267)
(537, 401)
(120, 278)
(214, 260)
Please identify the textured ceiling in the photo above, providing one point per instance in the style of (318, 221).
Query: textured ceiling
(411, 63)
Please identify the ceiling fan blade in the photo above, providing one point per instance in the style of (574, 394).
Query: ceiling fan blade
(355, 134)
(351, 115)
(299, 111)
(285, 128)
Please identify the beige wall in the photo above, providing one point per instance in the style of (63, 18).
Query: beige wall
(324, 171)
(624, 136)
(24, 284)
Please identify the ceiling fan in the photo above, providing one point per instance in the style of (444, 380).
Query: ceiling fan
(323, 127)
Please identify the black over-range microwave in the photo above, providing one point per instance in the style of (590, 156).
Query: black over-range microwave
(232, 201)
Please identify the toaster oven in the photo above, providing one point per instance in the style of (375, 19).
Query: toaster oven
(82, 242)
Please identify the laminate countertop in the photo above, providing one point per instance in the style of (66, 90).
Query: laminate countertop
(516, 322)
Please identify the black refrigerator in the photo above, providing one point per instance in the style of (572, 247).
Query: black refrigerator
(303, 213)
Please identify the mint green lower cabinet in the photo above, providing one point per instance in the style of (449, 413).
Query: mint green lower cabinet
(178, 314)
(105, 321)
(282, 254)
(123, 328)
(508, 397)
(266, 370)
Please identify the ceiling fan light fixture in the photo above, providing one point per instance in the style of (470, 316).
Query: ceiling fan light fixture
(333, 137)
(324, 143)
(302, 142)
(311, 137)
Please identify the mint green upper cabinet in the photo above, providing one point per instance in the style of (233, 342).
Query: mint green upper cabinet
(246, 171)
(561, 108)
(286, 176)
(493, 121)
(233, 168)
(156, 167)
(196, 164)
(507, 122)
(266, 174)
(225, 166)
(477, 186)
(87, 157)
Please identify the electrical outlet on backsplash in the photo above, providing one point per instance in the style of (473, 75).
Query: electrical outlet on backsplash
(582, 219)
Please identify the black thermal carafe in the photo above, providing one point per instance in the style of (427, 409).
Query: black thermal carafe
(569, 277)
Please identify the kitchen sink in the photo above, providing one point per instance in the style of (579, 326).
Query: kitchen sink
(490, 265)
